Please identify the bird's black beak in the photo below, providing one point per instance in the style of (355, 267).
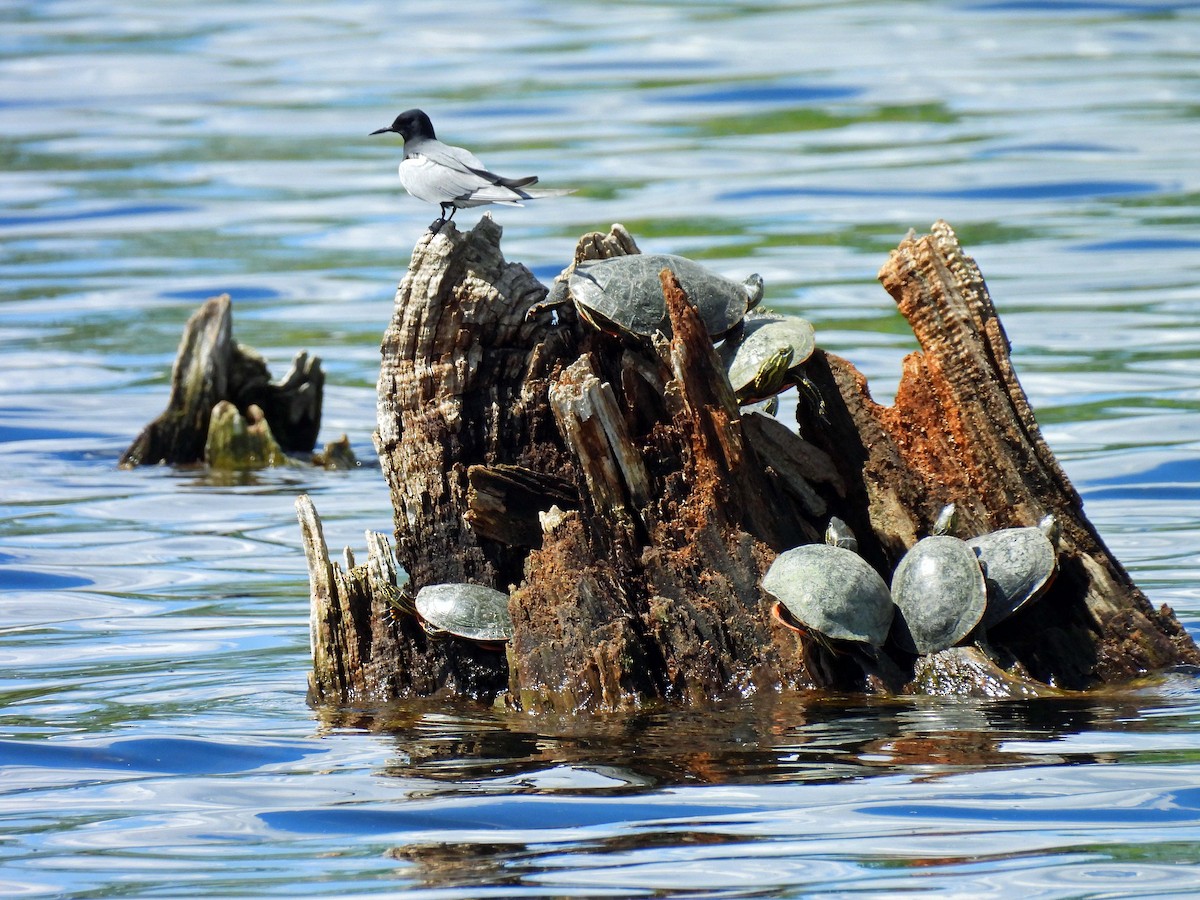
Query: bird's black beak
(381, 131)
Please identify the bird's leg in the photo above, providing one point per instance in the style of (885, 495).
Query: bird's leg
(436, 226)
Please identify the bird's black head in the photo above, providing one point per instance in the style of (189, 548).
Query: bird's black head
(412, 123)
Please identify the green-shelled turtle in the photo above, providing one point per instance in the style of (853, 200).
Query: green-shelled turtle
(768, 350)
(624, 294)
(1018, 564)
(939, 591)
(469, 611)
(831, 590)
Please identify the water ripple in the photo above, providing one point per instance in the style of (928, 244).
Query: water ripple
(154, 624)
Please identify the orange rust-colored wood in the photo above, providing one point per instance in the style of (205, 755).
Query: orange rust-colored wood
(611, 485)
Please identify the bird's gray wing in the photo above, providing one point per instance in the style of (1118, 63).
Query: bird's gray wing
(429, 180)
(465, 162)
(445, 155)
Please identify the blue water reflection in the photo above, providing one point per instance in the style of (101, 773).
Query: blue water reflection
(1053, 190)
(154, 735)
(178, 756)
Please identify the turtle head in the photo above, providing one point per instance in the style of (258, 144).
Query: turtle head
(1050, 528)
(838, 534)
(947, 519)
(559, 295)
(754, 290)
(770, 374)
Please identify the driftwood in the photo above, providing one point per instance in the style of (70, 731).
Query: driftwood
(614, 488)
(224, 409)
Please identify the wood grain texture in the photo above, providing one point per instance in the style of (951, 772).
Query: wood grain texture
(612, 486)
(211, 368)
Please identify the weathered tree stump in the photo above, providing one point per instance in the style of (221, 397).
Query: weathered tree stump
(961, 429)
(363, 650)
(613, 487)
(223, 401)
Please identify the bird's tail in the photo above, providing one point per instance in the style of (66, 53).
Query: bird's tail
(544, 192)
(516, 182)
(517, 186)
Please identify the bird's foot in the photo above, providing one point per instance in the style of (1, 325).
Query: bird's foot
(436, 225)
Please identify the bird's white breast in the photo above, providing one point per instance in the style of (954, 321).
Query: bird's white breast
(427, 180)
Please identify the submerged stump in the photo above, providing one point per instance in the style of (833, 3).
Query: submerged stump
(611, 485)
(224, 409)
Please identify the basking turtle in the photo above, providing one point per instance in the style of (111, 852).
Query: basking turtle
(939, 591)
(831, 590)
(399, 599)
(1018, 564)
(768, 351)
(624, 294)
(469, 611)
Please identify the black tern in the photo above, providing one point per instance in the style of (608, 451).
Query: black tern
(452, 177)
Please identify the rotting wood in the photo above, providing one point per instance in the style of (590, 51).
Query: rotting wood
(363, 651)
(658, 505)
(961, 430)
(211, 368)
(462, 383)
(235, 441)
(506, 502)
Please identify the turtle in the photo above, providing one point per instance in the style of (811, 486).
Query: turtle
(768, 350)
(469, 611)
(831, 590)
(624, 294)
(939, 591)
(1018, 564)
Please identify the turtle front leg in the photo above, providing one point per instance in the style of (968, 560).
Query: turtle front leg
(558, 295)
(810, 394)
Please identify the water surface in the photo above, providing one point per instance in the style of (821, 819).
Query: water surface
(154, 737)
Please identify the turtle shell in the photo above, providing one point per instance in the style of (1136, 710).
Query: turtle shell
(1018, 565)
(469, 611)
(625, 292)
(832, 591)
(939, 590)
(757, 364)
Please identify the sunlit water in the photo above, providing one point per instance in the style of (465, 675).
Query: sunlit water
(154, 737)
